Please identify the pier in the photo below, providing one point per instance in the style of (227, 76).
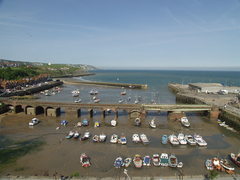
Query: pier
(133, 110)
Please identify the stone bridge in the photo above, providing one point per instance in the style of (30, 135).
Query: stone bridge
(133, 110)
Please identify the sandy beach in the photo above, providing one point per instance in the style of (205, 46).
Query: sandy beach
(59, 156)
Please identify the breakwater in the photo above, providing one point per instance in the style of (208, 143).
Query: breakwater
(125, 85)
(74, 75)
(33, 90)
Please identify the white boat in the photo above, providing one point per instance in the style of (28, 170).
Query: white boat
(199, 140)
(152, 123)
(190, 139)
(95, 138)
(123, 140)
(123, 92)
(76, 91)
(96, 100)
(114, 139)
(78, 100)
(137, 122)
(144, 138)
(33, 122)
(86, 136)
(102, 137)
(156, 160)
(185, 122)
(113, 122)
(172, 161)
(164, 159)
(79, 124)
(85, 160)
(209, 164)
(120, 101)
(70, 135)
(136, 138)
(76, 135)
(173, 139)
(93, 92)
(225, 164)
(136, 101)
(180, 165)
(181, 138)
(127, 162)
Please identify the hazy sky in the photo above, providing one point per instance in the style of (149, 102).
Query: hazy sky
(122, 33)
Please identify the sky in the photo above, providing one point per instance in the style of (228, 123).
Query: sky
(122, 33)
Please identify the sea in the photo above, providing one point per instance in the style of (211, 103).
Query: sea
(157, 81)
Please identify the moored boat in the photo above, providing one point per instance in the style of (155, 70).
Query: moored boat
(147, 161)
(181, 138)
(95, 138)
(78, 100)
(144, 138)
(136, 138)
(102, 137)
(225, 164)
(118, 162)
(216, 164)
(137, 161)
(114, 139)
(76, 135)
(164, 159)
(156, 160)
(152, 123)
(96, 100)
(64, 122)
(180, 165)
(209, 164)
(172, 161)
(127, 162)
(123, 140)
(85, 122)
(164, 139)
(85, 136)
(123, 92)
(113, 122)
(235, 159)
(85, 160)
(173, 139)
(185, 122)
(199, 140)
(70, 135)
(137, 122)
(190, 139)
(97, 124)
(93, 92)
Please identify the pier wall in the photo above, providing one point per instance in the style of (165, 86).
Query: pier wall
(231, 119)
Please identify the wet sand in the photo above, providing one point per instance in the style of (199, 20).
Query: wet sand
(61, 156)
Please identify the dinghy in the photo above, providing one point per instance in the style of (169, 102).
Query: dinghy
(235, 159)
(185, 122)
(181, 138)
(209, 164)
(123, 140)
(76, 135)
(152, 123)
(70, 135)
(136, 138)
(127, 162)
(95, 138)
(102, 137)
(114, 139)
(147, 161)
(85, 160)
(137, 122)
(190, 139)
(85, 136)
(164, 139)
(144, 138)
(156, 160)
(113, 122)
(85, 122)
(164, 159)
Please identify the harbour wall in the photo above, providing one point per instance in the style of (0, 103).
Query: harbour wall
(33, 90)
(231, 119)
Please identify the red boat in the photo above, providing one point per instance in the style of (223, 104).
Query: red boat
(235, 159)
(137, 161)
(85, 160)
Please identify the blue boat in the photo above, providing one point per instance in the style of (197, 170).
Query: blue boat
(147, 161)
(64, 122)
(85, 122)
(118, 162)
(164, 139)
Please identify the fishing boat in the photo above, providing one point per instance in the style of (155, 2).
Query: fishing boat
(114, 139)
(136, 138)
(199, 140)
(225, 164)
(152, 123)
(181, 138)
(123, 140)
(127, 162)
(86, 136)
(85, 160)
(120, 101)
(173, 139)
(102, 137)
(137, 161)
(164, 159)
(76, 135)
(33, 122)
(147, 161)
(70, 135)
(190, 139)
(137, 122)
(95, 138)
(209, 164)
(113, 122)
(216, 164)
(156, 160)
(123, 93)
(85, 122)
(235, 159)
(96, 124)
(144, 138)
(118, 162)
(164, 139)
(172, 161)
(185, 122)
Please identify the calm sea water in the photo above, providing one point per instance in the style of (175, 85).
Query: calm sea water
(157, 81)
